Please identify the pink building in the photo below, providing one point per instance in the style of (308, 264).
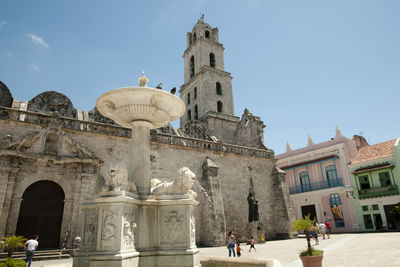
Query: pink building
(319, 181)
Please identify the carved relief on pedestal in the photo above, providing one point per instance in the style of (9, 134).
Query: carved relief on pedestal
(90, 229)
(109, 228)
(129, 227)
(192, 230)
(172, 231)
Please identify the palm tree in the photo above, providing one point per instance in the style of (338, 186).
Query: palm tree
(12, 243)
(304, 224)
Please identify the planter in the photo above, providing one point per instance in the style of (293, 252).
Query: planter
(312, 261)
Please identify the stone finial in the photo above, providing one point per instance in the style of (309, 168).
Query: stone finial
(310, 140)
(143, 81)
(338, 132)
(288, 146)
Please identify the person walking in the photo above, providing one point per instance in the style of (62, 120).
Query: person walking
(328, 229)
(315, 233)
(322, 229)
(238, 250)
(230, 242)
(30, 247)
(252, 242)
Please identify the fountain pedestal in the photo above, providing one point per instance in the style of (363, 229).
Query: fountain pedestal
(136, 228)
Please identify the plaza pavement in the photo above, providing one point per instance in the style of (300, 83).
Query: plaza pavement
(363, 250)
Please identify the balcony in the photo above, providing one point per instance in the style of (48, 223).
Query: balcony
(378, 192)
(315, 186)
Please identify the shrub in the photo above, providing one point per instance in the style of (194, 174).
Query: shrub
(9, 262)
(314, 252)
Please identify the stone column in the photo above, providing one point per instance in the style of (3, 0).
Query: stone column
(140, 156)
(10, 210)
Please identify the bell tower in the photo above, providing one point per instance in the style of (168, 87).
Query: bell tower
(207, 88)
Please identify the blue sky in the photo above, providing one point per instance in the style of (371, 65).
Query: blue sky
(302, 66)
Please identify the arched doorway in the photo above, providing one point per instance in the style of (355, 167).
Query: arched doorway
(41, 213)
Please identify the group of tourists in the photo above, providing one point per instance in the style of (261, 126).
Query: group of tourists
(323, 228)
(234, 246)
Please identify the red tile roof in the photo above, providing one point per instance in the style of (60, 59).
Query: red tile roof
(381, 150)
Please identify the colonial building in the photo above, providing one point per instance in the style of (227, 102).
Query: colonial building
(375, 177)
(53, 157)
(319, 182)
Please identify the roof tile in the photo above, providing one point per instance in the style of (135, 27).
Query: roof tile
(377, 151)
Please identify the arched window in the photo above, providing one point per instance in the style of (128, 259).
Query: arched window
(188, 98)
(195, 93)
(331, 175)
(192, 67)
(304, 181)
(207, 34)
(194, 36)
(219, 106)
(196, 113)
(189, 115)
(212, 60)
(219, 89)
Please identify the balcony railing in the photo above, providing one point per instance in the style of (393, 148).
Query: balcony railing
(315, 186)
(378, 192)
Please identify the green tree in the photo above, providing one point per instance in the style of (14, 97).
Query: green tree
(306, 225)
(13, 242)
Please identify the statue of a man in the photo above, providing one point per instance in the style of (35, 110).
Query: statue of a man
(252, 208)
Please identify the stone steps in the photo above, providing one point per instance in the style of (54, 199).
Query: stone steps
(41, 254)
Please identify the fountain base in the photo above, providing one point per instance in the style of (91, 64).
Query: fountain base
(125, 231)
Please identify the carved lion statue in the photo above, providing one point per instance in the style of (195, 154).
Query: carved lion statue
(182, 184)
(118, 179)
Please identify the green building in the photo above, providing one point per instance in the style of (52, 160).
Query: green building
(375, 175)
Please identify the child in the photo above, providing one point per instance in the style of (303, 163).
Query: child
(238, 249)
(252, 242)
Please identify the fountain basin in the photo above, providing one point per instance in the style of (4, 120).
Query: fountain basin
(128, 104)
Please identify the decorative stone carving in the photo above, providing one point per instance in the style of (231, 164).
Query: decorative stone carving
(182, 184)
(79, 150)
(77, 242)
(96, 116)
(109, 228)
(20, 144)
(196, 129)
(6, 98)
(192, 229)
(129, 229)
(172, 222)
(90, 230)
(117, 179)
(51, 101)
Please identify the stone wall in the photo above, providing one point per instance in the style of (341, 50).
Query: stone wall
(83, 151)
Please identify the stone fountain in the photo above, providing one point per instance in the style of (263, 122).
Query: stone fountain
(130, 223)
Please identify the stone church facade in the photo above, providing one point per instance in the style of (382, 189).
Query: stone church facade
(53, 157)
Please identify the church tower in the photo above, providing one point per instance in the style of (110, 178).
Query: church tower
(207, 88)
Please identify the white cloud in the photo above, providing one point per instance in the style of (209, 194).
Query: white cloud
(2, 23)
(37, 40)
(34, 67)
